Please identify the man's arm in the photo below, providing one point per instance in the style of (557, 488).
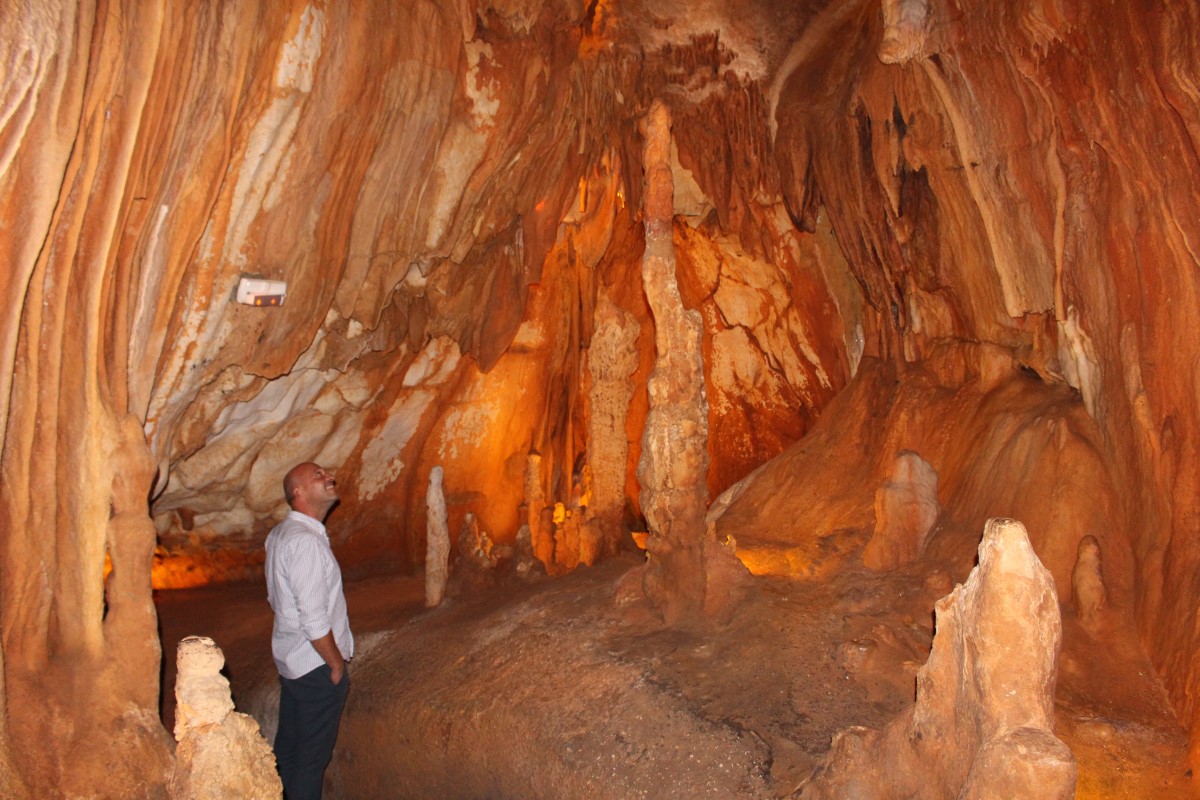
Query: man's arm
(327, 648)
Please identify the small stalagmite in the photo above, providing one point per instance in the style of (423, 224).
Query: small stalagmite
(221, 753)
(1087, 582)
(906, 508)
(437, 541)
(541, 528)
(982, 725)
(474, 546)
(526, 564)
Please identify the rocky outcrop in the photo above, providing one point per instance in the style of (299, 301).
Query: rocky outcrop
(982, 725)
(220, 753)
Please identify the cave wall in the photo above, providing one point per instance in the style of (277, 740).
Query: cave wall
(1024, 175)
(450, 189)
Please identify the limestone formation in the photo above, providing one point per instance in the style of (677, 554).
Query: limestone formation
(437, 542)
(526, 564)
(568, 531)
(612, 359)
(10, 780)
(905, 28)
(687, 573)
(221, 753)
(982, 725)
(906, 508)
(1087, 582)
(474, 546)
(540, 526)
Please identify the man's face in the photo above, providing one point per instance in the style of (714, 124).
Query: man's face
(318, 486)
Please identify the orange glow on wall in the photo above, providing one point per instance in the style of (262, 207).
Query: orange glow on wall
(780, 561)
(194, 569)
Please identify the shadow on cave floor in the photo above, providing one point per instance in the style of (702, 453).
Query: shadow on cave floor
(546, 690)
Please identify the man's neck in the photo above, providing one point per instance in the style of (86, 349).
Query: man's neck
(309, 511)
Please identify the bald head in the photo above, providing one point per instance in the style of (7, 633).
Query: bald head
(310, 489)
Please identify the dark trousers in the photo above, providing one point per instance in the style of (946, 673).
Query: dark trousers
(310, 708)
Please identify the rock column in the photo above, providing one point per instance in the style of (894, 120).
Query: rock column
(541, 529)
(674, 461)
(612, 359)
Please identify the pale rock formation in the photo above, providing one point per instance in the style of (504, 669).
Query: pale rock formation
(612, 359)
(201, 691)
(1087, 582)
(983, 719)
(437, 541)
(906, 508)
(221, 753)
(906, 27)
(688, 572)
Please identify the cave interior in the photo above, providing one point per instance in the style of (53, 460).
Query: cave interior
(783, 367)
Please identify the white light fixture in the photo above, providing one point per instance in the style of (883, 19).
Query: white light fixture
(260, 292)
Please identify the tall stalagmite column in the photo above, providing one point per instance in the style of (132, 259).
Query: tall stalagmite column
(687, 573)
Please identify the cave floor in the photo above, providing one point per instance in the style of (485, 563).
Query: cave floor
(545, 689)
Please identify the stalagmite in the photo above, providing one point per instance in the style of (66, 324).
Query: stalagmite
(1087, 582)
(567, 531)
(982, 725)
(437, 541)
(541, 533)
(612, 359)
(687, 571)
(221, 753)
(474, 546)
(526, 563)
(906, 508)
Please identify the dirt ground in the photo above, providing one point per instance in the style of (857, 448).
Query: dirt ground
(546, 689)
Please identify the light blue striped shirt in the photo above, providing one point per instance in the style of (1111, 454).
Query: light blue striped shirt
(304, 588)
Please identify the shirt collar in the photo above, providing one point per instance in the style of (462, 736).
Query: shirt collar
(315, 525)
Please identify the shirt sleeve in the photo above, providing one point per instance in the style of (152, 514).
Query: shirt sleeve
(305, 578)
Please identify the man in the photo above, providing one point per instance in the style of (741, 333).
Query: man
(311, 641)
